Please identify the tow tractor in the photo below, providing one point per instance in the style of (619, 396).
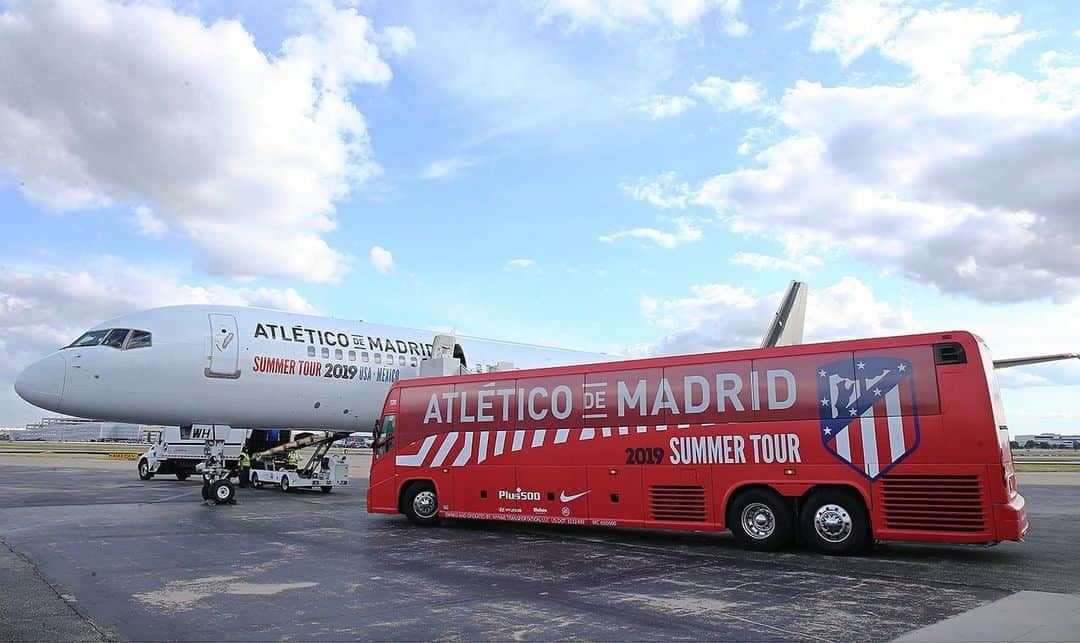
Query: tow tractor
(321, 470)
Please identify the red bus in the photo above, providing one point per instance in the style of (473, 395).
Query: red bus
(835, 444)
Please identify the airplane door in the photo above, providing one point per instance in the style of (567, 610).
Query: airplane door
(224, 347)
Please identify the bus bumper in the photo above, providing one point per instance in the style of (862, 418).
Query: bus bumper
(1011, 519)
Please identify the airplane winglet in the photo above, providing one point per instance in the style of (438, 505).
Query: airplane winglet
(787, 325)
(1036, 359)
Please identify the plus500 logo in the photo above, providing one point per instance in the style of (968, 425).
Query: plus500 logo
(518, 494)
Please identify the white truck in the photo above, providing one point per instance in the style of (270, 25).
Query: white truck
(180, 448)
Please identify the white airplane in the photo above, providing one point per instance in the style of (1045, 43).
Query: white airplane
(249, 368)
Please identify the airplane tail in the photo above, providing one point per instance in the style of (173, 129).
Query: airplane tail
(787, 325)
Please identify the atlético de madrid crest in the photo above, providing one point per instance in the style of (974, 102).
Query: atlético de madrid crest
(868, 412)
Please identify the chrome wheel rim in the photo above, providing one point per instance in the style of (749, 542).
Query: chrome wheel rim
(833, 523)
(424, 504)
(758, 520)
(144, 468)
(222, 492)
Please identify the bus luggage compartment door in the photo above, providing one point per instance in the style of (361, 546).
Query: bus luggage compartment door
(554, 494)
(615, 495)
(477, 488)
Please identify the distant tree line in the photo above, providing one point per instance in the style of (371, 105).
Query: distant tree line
(1032, 444)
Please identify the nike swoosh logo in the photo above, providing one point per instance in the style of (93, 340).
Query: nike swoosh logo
(565, 498)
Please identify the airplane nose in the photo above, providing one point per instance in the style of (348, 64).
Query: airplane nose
(42, 383)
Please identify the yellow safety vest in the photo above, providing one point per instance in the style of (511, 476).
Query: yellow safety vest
(294, 459)
(245, 461)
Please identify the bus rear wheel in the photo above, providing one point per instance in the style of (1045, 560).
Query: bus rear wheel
(835, 522)
(760, 519)
(421, 505)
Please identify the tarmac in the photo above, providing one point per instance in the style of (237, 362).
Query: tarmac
(90, 552)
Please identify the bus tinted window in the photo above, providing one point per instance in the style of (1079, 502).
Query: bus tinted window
(115, 338)
(92, 338)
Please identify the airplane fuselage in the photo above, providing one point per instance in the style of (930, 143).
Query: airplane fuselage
(248, 367)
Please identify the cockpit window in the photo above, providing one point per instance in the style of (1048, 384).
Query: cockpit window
(138, 339)
(115, 338)
(91, 338)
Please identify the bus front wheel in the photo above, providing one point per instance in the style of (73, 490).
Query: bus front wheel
(836, 522)
(421, 504)
(760, 519)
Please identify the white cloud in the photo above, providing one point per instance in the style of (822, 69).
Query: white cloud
(685, 232)
(766, 262)
(519, 264)
(148, 224)
(942, 42)
(722, 316)
(742, 95)
(43, 308)
(448, 168)
(850, 28)
(660, 106)
(381, 259)
(965, 183)
(663, 191)
(613, 15)
(730, 19)
(933, 42)
(247, 152)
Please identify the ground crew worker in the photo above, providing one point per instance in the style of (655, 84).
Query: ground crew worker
(245, 468)
(294, 460)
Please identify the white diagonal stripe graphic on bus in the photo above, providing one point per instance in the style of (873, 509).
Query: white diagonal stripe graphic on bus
(466, 451)
(481, 452)
(418, 459)
(444, 449)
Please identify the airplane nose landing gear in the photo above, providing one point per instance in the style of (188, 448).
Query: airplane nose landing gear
(216, 487)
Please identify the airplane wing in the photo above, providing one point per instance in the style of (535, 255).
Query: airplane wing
(786, 328)
(1036, 359)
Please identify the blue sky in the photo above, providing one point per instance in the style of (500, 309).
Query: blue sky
(635, 177)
